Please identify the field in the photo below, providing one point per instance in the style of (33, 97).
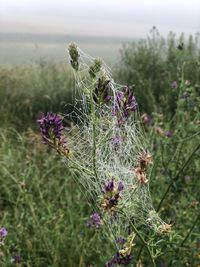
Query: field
(41, 205)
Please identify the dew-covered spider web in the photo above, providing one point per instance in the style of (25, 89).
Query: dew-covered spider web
(105, 146)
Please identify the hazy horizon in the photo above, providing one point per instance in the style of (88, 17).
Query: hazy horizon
(115, 18)
(33, 29)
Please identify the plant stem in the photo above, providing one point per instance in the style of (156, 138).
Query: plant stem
(144, 244)
(142, 240)
(176, 177)
(94, 134)
(190, 231)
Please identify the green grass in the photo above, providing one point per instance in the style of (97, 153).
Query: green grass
(42, 207)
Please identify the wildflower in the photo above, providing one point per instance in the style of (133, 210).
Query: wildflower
(16, 259)
(120, 240)
(116, 141)
(74, 55)
(3, 233)
(51, 128)
(109, 186)
(120, 186)
(141, 175)
(125, 103)
(164, 228)
(101, 93)
(94, 221)
(168, 134)
(146, 119)
(112, 194)
(159, 130)
(119, 259)
(143, 162)
(174, 85)
(123, 256)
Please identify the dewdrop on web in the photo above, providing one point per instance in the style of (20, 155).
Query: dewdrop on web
(108, 148)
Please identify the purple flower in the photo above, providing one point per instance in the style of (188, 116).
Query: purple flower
(120, 186)
(101, 93)
(125, 103)
(174, 85)
(120, 240)
(116, 140)
(146, 119)
(112, 194)
(3, 232)
(119, 259)
(50, 126)
(169, 134)
(16, 259)
(94, 221)
(109, 186)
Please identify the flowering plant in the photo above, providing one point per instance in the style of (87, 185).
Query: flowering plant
(108, 149)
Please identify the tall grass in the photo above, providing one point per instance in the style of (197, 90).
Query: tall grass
(42, 208)
(27, 91)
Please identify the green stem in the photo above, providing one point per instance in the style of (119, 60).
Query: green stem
(142, 240)
(144, 244)
(190, 231)
(176, 177)
(94, 134)
(79, 167)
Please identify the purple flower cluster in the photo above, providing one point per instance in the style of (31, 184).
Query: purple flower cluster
(174, 85)
(116, 140)
(3, 232)
(146, 119)
(109, 186)
(94, 221)
(120, 240)
(111, 194)
(169, 134)
(50, 126)
(101, 93)
(125, 103)
(119, 259)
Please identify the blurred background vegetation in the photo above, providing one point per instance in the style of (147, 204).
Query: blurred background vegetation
(41, 205)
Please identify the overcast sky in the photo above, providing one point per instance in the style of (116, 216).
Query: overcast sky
(123, 18)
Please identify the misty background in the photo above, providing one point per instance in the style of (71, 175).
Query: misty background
(33, 29)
